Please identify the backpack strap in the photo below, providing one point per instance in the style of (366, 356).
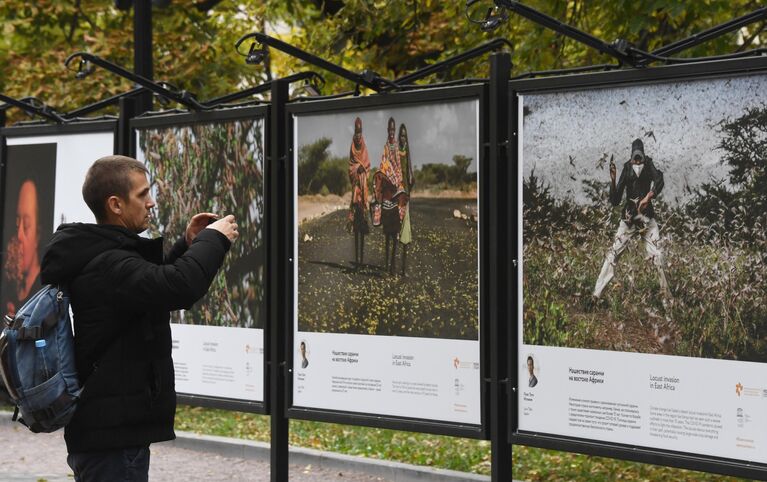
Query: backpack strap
(37, 332)
(29, 333)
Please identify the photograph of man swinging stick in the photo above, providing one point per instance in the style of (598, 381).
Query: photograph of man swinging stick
(388, 216)
(644, 225)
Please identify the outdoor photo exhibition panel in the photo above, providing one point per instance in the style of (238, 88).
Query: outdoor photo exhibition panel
(44, 169)
(386, 243)
(643, 251)
(214, 162)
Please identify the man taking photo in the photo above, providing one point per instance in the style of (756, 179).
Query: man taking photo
(122, 288)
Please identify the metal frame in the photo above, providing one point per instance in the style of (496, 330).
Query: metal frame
(487, 209)
(88, 127)
(29, 107)
(666, 74)
(80, 127)
(209, 117)
(254, 56)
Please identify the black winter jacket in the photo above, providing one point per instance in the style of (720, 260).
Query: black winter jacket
(637, 188)
(121, 290)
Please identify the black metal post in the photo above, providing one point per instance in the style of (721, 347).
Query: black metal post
(500, 71)
(512, 302)
(125, 141)
(142, 48)
(277, 269)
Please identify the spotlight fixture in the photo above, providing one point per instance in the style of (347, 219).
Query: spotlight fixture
(493, 18)
(84, 69)
(256, 56)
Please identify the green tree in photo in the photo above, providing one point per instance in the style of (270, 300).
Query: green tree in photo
(318, 173)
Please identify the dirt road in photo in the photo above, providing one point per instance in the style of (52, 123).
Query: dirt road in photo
(437, 297)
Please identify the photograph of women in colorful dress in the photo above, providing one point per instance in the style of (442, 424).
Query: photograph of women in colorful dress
(410, 267)
(359, 168)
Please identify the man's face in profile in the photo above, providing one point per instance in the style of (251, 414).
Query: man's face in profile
(530, 366)
(138, 206)
(26, 225)
(302, 349)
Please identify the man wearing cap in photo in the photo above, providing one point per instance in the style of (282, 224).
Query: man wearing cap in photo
(642, 182)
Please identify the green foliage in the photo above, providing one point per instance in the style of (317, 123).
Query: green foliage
(194, 49)
(394, 38)
(223, 163)
(320, 174)
(333, 175)
(545, 321)
(431, 450)
(737, 208)
(437, 176)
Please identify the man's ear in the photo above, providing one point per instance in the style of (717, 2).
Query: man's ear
(114, 205)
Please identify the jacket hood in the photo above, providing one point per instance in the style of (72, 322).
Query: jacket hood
(74, 245)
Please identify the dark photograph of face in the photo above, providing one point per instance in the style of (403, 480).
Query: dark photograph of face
(28, 220)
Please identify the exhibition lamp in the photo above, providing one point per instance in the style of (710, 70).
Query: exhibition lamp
(258, 52)
(85, 68)
(171, 93)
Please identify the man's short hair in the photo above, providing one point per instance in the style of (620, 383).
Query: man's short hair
(530, 359)
(109, 176)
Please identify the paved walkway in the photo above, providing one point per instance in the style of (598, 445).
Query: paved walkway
(42, 457)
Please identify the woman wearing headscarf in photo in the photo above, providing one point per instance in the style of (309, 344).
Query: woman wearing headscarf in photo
(390, 191)
(408, 181)
(359, 168)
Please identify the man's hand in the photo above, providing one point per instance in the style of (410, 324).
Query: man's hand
(613, 169)
(226, 226)
(197, 224)
(644, 202)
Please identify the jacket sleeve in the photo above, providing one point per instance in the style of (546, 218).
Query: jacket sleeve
(657, 179)
(178, 248)
(141, 285)
(617, 194)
